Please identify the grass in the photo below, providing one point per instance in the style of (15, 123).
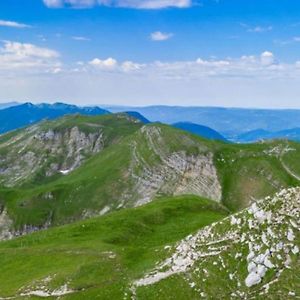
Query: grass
(101, 256)
(245, 172)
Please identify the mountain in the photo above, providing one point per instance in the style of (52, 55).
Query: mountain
(108, 207)
(8, 104)
(227, 121)
(25, 114)
(138, 116)
(77, 167)
(200, 130)
(173, 248)
(258, 135)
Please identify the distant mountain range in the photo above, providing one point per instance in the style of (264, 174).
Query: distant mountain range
(230, 122)
(260, 134)
(223, 124)
(25, 114)
(8, 104)
(200, 130)
(138, 116)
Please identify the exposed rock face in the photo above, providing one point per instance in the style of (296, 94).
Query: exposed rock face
(176, 173)
(8, 232)
(48, 151)
(263, 241)
(5, 226)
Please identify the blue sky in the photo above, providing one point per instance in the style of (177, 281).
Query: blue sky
(139, 52)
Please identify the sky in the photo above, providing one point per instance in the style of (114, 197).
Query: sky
(237, 53)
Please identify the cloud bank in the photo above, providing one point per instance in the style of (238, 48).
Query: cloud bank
(39, 72)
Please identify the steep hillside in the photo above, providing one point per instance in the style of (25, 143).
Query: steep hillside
(26, 114)
(134, 164)
(202, 131)
(251, 255)
(48, 149)
(163, 250)
(101, 257)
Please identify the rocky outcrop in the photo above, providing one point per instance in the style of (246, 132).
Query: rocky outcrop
(249, 251)
(46, 151)
(6, 224)
(174, 173)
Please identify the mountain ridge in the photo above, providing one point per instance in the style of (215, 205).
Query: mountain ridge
(27, 114)
(136, 164)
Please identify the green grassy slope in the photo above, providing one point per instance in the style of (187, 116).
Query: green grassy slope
(32, 153)
(251, 255)
(108, 180)
(100, 257)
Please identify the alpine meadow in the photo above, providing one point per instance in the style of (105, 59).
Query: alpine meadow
(149, 149)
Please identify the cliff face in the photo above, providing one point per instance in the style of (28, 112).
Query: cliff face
(6, 223)
(46, 152)
(173, 172)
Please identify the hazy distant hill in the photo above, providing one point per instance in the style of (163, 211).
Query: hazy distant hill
(229, 122)
(8, 104)
(138, 116)
(25, 114)
(260, 134)
(200, 130)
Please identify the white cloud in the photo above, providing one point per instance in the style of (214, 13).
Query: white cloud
(111, 64)
(106, 64)
(17, 56)
(267, 58)
(159, 36)
(129, 66)
(259, 29)
(256, 29)
(13, 24)
(80, 38)
(257, 80)
(136, 4)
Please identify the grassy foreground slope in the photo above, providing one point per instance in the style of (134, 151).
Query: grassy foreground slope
(253, 254)
(140, 163)
(100, 258)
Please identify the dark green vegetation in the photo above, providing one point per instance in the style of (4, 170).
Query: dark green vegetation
(100, 257)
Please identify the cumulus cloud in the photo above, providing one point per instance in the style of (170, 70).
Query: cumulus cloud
(13, 24)
(264, 65)
(136, 4)
(159, 36)
(111, 64)
(253, 78)
(267, 58)
(16, 56)
(106, 64)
